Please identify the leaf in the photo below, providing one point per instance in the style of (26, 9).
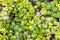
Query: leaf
(44, 12)
(43, 4)
(54, 9)
(56, 15)
(48, 7)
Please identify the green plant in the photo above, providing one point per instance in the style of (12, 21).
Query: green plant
(22, 23)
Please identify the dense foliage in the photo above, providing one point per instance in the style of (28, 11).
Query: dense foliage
(30, 20)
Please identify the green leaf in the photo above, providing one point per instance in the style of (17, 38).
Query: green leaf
(54, 9)
(56, 15)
